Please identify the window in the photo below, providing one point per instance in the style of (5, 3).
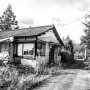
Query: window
(26, 50)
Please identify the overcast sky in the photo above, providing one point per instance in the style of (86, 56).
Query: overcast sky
(46, 12)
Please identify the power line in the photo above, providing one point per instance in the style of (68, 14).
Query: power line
(72, 21)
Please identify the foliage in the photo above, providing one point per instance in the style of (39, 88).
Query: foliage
(86, 38)
(67, 58)
(25, 69)
(7, 20)
(8, 78)
(68, 44)
(79, 51)
(67, 53)
(46, 70)
(79, 55)
(83, 39)
(12, 79)
(79, 47)
(24, 77)
(42, 69)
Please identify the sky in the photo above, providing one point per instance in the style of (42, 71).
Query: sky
(66, 15)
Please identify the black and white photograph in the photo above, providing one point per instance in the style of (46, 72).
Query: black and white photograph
(44, 44)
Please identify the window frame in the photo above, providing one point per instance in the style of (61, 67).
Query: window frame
(23, 56)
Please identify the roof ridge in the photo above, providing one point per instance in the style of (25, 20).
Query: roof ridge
(35, 27)
(28, 28)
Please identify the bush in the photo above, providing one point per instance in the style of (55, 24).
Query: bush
(54, 70)
(26, 69)
(8, 78)
(67, 58)
(26, 83)
(43, 70)
(13, 79)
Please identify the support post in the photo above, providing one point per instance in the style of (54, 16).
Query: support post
(11, 52)
(36, 47)
(47, 52)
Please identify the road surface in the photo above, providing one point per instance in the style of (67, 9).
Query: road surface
(70, 79)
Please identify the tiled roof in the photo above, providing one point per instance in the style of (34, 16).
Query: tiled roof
(33, 31)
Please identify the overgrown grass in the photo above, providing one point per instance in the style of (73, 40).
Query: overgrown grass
(45, 70)
(8, 77)
(13, 78)
(24, 77)
(25, 69)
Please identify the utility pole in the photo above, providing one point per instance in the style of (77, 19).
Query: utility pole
(85, 52)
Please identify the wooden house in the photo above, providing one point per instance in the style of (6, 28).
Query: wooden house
(30, 45)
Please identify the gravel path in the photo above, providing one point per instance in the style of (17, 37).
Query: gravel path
(70, 79)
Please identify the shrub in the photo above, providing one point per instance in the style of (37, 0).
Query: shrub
(26, 69)
(54, 70)
(8, 77)
(41, 69)
(67, 58)
(25, 83)
(12, 79)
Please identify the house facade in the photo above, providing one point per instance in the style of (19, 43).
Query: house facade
(30, 46)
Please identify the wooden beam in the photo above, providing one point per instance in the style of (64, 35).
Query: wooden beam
(11, 52)
(36, 47)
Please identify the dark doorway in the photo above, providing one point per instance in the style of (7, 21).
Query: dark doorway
(51, 55)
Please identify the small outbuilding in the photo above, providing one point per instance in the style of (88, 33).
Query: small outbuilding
(30, 45)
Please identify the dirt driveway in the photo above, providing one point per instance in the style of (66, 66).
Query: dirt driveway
(70, 79)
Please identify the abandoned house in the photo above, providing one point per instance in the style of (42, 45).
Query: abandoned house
(30, 45)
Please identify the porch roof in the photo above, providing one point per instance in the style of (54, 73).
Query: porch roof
(48, 39)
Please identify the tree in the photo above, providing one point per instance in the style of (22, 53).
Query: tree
(68, 44)
(67, 55)
(8, 19)
(85, 40)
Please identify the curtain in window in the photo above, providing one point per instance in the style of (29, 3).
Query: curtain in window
(20, 46)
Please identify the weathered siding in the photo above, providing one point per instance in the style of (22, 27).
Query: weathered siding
(51, 34)
(4, 50)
